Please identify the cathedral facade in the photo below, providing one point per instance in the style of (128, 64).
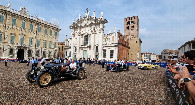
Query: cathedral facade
(89, 41)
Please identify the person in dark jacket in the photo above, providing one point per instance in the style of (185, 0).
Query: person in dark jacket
(6, 61)
(103, 63)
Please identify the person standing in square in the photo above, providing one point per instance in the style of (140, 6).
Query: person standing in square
(6, 61)
(32, 61)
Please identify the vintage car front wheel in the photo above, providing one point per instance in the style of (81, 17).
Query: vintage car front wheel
(81, 74)
(44, 79)
(30, 76)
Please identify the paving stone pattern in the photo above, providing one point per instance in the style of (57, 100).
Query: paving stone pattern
(133, 87)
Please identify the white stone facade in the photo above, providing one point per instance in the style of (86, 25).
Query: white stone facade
(188, 46)
(148, 57)
(89, 41)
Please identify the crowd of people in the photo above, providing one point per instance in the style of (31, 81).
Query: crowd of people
(183, 70)
(80, 62)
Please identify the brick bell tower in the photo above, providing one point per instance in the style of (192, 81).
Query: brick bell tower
(131, 29)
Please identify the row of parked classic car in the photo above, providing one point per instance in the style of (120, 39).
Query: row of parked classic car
(47, 73)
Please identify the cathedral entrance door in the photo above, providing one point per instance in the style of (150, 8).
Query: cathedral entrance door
(20, 54)
(96, 57)
(85, 54)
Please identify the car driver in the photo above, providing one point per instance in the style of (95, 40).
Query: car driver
(73, 65)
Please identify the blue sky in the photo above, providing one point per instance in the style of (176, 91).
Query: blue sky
(164, 24)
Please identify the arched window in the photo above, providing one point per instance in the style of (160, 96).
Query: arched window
(11, 51)
(37, 53)
(29, 53)
(44, 54)
(85, 40)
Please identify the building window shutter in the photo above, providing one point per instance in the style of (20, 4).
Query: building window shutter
(31, 27)
(45, 44)
(55, 45)
(1, 37)
(13, 22)
(21, 41)
(30, 41)
(56, 33)
(50, 43)
(45, 31)
(50, 32)
(38, 43)
(23, 24)
(1, 18)
(12, 39)
(39, 29)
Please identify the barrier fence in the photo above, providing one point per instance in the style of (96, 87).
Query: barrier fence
(180, 95)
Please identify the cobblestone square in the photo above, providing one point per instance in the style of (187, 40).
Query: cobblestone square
(135, 86)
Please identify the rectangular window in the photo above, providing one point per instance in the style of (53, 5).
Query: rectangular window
(23, 24)
(12, 39)
(56, 33)
(133, 22)
(128, 23)
(31, 26)
(30, 41)
(39, 29)
(50, 43)
(75, 49)
(11, 51)
(13, 21)
(96, 49)
(45, 31)
(1, 36)
(193, 45)
(38, 43)
(22, 41)
(66, 53)
(1, 18)
(111, 53)
(104, 53)
(85, 40)
(51, 32)
(45, 44)
(55, 45)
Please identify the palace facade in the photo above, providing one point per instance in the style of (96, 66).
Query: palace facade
(23, 36)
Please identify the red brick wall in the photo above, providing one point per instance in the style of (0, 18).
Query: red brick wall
(123, 47)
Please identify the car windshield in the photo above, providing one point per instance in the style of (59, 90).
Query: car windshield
(147, 63)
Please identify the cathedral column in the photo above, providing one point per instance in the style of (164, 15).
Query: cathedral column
(72, 46)
(93, 45)
(101, 41)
